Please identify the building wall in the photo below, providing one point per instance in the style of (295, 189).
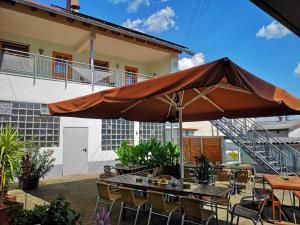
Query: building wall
(49, 47)
(204, 128)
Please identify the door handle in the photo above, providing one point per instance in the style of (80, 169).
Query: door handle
(84, 149)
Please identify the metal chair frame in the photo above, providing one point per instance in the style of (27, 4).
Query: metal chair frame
(261, 201)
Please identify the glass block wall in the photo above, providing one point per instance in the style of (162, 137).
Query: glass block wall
(116, 131)
(32, 121)
(151, 130)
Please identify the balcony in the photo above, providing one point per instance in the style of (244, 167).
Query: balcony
(44, 67)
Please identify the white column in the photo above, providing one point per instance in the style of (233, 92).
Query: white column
(92, 55)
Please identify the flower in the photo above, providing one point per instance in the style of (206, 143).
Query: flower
(103, 217)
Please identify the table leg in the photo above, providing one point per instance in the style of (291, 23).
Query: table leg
(273, 206)
(124, 213)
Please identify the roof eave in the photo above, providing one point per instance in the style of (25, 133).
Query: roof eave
(86, 20)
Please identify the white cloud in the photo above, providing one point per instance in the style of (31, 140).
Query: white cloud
(196, 60)
(297, 70)
(133, 24)
(118, 1)
(158, 22)
(273, 30)
(134, 5)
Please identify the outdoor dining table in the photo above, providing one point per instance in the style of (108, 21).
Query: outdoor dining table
(292, 183)
(129, 180)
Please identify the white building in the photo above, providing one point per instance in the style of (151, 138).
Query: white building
(49, 54)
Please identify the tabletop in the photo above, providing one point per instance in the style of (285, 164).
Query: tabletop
(277, 182)
(129, 168)
(197, 189)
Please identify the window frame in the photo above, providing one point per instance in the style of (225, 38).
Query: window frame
(61, 76)
(134, 71)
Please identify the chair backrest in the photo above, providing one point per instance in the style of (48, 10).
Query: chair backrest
(107, 168)
(127, 195)
(103, 190)
(192, 207)
(190, 163)
(103, 176)
(157, 200)
(167, 177)
(242, 176)
(155, 171)
(222, 175)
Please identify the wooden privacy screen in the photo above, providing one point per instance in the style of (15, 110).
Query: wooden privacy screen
(210, 146)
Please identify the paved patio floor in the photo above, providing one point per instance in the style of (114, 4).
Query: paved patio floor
(81, 192)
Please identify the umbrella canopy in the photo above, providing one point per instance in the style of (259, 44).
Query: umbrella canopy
(211, 91)
(286, 12)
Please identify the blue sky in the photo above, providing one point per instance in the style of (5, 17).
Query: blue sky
(219, 28)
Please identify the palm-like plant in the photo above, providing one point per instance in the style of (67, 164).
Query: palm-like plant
(10, 155)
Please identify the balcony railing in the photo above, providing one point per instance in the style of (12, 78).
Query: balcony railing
(45, 67)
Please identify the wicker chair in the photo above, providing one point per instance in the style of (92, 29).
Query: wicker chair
(193, 209)
(159, 205)
(241, 209)
(129, 201)
(106, 196)
(222, 178)
(242, 177)
(222, 202)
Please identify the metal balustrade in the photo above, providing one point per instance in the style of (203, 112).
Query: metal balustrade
(45, 67)
(261, 145)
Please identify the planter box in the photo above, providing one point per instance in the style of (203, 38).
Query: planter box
(171, 170)
(29, 183)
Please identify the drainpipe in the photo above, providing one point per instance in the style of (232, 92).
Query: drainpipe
(92, 38)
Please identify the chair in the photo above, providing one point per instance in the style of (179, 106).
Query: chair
(108, 171)
(160, 205)
(193, 209)
(106, 196)
(222, 202)
(242, 178)
(222, 178)
(241, 209)
(129, 201)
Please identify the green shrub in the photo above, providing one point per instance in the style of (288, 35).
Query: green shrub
(57, 212)
(151, 153)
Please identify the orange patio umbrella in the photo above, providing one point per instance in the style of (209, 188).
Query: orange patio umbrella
(207, 92)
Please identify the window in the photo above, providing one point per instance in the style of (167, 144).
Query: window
(151, 130)
(61, 66)
(188, 132)
(14, 48)
(32, 121)
(102, 66)
(130, 75)
(116, 131)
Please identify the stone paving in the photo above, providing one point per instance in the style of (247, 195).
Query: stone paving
(81, 192)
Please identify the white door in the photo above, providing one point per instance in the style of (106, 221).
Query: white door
(75, 150)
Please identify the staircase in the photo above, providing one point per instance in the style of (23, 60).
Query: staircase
(261, 145)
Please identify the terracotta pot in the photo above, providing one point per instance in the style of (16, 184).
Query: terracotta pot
(4, 216)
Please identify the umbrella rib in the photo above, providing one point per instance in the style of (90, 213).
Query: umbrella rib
(200, 94)
(171, 99)
(164, 100)
(214, 104)
(134, 104)
(233, 88)
(170, 107)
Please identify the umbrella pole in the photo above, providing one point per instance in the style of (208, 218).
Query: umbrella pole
(181, 144)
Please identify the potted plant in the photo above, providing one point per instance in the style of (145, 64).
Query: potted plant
(204, 170)
(10, 155)
(35, 163)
